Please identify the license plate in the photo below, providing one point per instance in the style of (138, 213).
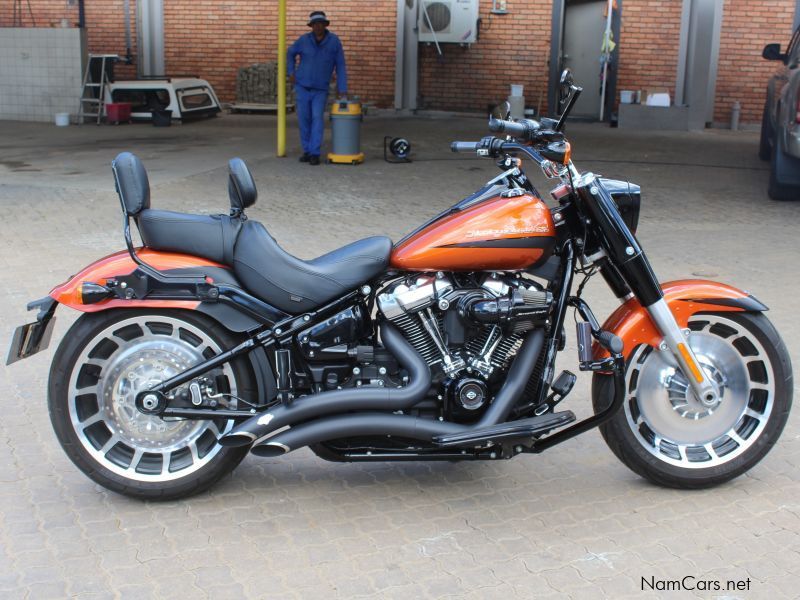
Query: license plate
(29, 339)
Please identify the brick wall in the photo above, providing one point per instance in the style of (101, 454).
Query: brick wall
(648, 46)
(213, 38)
(512, 48)
(742, 75)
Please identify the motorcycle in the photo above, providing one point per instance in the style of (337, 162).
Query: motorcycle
(210, 341)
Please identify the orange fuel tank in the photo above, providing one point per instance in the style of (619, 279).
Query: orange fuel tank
(499, 234)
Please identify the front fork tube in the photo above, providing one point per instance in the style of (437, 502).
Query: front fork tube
(629, 259)
(676, 342)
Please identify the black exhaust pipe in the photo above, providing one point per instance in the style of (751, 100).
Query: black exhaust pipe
(339, 401)
(340, 426)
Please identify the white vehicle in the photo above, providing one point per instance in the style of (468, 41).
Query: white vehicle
(186, 97)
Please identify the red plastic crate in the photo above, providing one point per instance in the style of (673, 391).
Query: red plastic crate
(118, 112)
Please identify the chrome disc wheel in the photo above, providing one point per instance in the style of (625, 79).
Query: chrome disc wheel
(669, 421)
(115, 365)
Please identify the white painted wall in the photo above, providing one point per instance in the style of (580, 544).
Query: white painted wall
(40, 72)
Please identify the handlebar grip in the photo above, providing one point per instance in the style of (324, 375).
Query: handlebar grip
(610, 342)
(465, 146)
(510, 127)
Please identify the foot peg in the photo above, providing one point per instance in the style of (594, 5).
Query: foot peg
(522, 429)
(561, 387)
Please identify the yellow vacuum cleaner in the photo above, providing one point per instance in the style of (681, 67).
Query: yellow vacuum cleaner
(346, 120)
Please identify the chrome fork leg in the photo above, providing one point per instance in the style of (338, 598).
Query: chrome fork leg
(676, 342)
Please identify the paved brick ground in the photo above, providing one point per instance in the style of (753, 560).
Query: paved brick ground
(573, 522)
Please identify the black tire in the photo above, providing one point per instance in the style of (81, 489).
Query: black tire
(764, 147)
(631, 450)
(778, 167)
(137, 481)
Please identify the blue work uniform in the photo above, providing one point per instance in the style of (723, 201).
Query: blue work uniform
(312, 79)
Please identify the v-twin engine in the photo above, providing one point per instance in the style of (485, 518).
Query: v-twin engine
(466, 327)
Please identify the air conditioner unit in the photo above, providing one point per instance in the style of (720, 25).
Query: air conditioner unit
(448, 21)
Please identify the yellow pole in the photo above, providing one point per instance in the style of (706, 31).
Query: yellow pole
(281, 78)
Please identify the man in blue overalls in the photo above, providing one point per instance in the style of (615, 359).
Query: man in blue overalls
(320, 51)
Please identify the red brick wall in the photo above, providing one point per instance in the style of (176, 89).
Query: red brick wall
(648, 46)
(213, 38)
(512, 48)
(742, 74)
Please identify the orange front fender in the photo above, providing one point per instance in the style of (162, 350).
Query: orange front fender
(686, 297)
(121, 264)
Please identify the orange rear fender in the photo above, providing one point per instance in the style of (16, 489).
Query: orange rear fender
(121, 264)
(685, 297)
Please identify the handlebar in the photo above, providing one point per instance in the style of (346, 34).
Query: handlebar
(493, 147)
(524, 129)
(465, 146)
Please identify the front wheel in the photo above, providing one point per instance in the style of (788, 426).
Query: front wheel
(663, 432)
(104, 361)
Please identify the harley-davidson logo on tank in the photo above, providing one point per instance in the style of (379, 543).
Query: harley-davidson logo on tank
(502, 234)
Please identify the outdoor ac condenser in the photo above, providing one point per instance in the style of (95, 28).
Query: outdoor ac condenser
(448, 21)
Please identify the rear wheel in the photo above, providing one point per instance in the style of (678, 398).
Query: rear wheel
(664, 434)
(104, 361)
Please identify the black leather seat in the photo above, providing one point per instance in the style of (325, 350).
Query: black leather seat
(208, 236)
(262, 266)
(295, 285)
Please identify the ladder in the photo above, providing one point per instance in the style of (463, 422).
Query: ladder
(93, 92)
(18, 13)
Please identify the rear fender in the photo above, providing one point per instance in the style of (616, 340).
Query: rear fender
(686, 297)
(121, 264)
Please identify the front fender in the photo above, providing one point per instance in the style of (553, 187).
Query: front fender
(686, 297)
(121, 264)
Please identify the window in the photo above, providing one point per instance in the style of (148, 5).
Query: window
(195, 98)
(142, 100)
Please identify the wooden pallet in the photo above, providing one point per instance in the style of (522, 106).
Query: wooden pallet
(253, 107)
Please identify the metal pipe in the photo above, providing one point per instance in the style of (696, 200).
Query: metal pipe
(281, 78)
(127, 8)
(349, 425)
(339, 401)
(516, 380)
(81, 14)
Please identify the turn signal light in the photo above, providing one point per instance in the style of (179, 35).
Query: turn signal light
(567, 153)
(91, 293)
(797, 112)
